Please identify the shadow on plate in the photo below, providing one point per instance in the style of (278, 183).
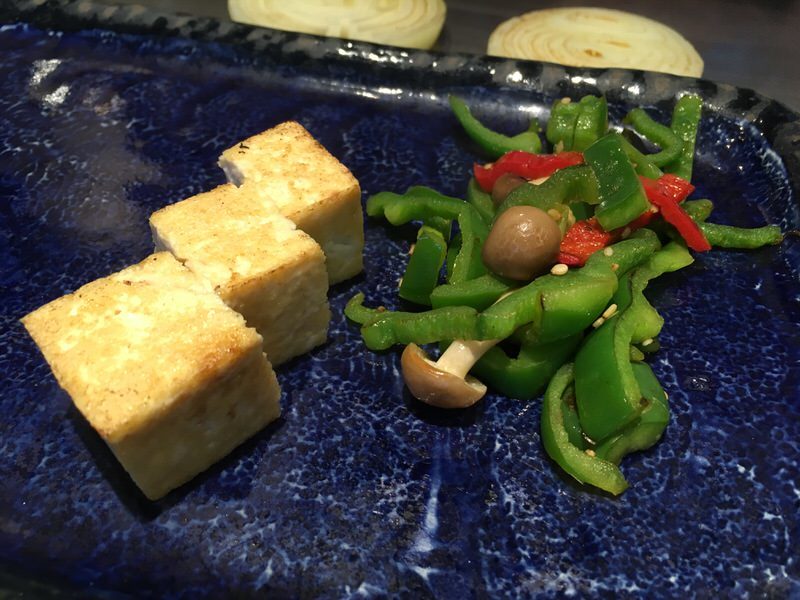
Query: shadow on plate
(132, 497)
(443, 417)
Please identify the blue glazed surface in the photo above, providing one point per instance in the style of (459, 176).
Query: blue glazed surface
(359, 490)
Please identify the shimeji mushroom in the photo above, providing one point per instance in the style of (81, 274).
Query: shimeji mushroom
(445, 383)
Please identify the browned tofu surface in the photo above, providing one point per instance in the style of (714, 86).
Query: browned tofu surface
(168, 375)
(309, 186)
(256, 260)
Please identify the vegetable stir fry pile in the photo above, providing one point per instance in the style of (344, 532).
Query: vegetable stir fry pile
(536, 280)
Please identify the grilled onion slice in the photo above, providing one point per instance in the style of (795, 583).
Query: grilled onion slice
(406, 23)
(596, 37)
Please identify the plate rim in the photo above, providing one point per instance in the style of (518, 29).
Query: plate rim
(779, 123)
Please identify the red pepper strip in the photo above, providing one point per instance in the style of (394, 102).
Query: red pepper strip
(582, 240)
(643, 220)
(666, 195)
(673, 186)
(524, 164)
(570, 260)
(586, 237)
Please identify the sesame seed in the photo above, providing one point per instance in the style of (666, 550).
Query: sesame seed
(614, 266)
(647, 342)
(666, 395)
(559, 269)
(608, 251)
(555, 214)
(566, 100)
(598, 322)
(411, 248)
(400, 283)
(559, 147)
(590, 452)
(626, 232)
(612, 309)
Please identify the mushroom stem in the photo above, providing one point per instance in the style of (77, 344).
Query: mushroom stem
(461, 355)
(446, 383)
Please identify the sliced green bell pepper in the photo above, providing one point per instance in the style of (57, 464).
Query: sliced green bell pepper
(381, 329)
(685, 122)
(699, 209)
(420, 203)
(606, 390)
(479, 293)
(525, 376)
(482, 201)
(424, 266)
(560, 130)
(669, 143)
(560, 305)
(641, 163)
(565, 186)
(621, 194)
(493, 143)
(651, 423)
(561, 442)
(592, 122)
(726, 236)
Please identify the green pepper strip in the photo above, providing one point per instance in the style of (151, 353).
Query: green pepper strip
(565, 186)
(636, 354)
(422, 272)
(661, 135)
(493, 143)
(651, 424)
(606, 390)
(558, 444)
(479, 293)
(725, 236)
(561, 124)
(452, 253)
(592, 122)
(622, 197)
(420, 203)
(381, 329)
(358, 313)
(685, 121)
(525, 376)
(558, 306)
(641, 163)
(481, 201)
(442, 225)
(699, 209)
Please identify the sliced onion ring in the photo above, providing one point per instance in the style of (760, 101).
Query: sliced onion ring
(596, 37)
(406, 23)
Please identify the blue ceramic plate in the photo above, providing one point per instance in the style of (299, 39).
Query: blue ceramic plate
(109, 114)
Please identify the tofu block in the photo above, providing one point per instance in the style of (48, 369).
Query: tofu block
(169, 376)
(258, 262)
(309, 186)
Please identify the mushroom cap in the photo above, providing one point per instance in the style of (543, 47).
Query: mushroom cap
(522, 244)
(436, 387)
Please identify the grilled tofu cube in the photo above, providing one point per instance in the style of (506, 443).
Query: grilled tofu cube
(169, 376)
(258, 262)
(309, 186)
